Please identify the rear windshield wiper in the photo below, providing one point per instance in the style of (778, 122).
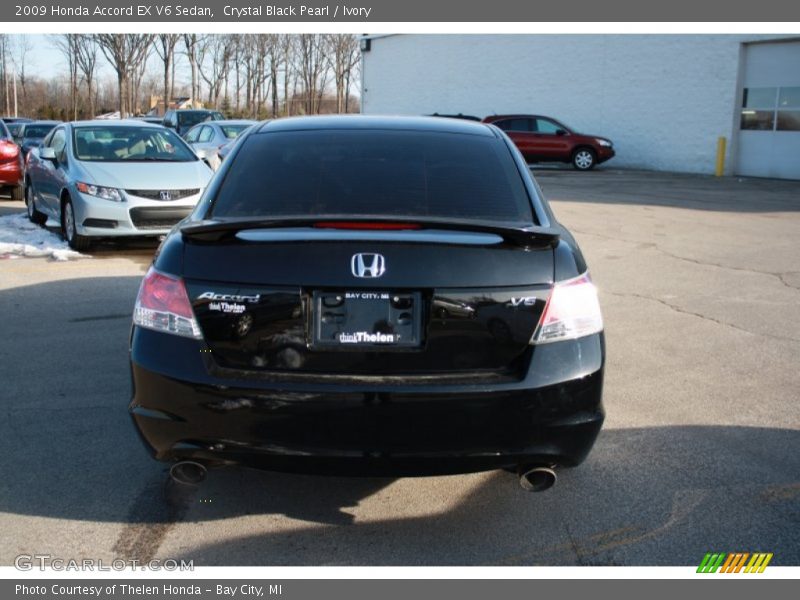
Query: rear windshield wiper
(218, 229)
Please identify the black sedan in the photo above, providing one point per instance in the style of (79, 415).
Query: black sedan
(374, 296)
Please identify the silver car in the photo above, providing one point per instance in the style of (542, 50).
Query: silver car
(211, 136)
(112, 179)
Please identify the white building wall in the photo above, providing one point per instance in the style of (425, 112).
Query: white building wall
(663, 99)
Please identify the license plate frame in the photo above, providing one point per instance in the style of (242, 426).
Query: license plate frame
(380, 320)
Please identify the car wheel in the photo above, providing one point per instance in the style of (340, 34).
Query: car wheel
(18, 192)
(583, 159)
(33, 215)
(70, 230)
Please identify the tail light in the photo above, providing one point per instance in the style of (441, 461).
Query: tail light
(572, 311)
(8, 150)
(163, 305)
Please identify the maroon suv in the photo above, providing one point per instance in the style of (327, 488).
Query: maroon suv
(543, 139)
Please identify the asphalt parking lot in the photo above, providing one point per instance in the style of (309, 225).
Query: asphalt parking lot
(700, 286)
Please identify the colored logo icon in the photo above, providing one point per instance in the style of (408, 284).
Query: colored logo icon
(734, 562)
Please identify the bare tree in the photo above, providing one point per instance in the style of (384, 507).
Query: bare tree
(125, 52)
(287, 46)
(276, 59)
(192, 43)
(214, 58)
(20, 58)
(67, 43)
(136, 80)
(312, 69)
(262, 51)
(165, 48)
(4, 75)
(342, 55)
(86, 53)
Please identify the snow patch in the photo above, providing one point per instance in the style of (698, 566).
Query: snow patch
(19, 237)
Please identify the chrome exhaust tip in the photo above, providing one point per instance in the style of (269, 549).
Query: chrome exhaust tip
(536, 479)
(188, 472)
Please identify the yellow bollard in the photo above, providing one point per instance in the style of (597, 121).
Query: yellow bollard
(721, 144)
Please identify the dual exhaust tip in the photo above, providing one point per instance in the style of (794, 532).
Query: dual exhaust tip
(188, 472)
(531, 478)
(536, 478)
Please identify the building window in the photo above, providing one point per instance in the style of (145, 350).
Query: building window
(761, 120)
(771, 109)
(759, 97)
(788, 120)
(789, 97)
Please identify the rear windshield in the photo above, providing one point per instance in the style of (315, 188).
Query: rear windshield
(340, 173)
(37, 131)
(190, 119)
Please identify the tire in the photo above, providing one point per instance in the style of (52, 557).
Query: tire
(18, 192)
(584, 159)
(68, 227)
(30, 203)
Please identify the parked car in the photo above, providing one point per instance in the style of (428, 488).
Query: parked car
(10, 164)
(369, 295)
(182, 120)
(14, 125)
(112, 179)
(212, 135)
(32, 134)
(543, 139)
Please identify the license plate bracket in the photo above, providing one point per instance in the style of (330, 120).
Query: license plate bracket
(374, 320)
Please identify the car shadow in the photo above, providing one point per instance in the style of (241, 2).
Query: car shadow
(645, 496)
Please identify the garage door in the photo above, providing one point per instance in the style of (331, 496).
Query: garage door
(769, 127)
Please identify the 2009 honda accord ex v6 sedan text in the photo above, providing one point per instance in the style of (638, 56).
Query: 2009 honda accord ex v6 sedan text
(373, 296)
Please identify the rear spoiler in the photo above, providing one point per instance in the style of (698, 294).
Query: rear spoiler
(215, 230)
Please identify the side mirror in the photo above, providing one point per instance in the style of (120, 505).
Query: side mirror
(201, 153)
(47, 153)
(561, 132)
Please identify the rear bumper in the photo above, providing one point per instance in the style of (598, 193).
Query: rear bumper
(181, 411)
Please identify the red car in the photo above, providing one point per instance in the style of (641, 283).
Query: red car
(543, 139)
(10, 164)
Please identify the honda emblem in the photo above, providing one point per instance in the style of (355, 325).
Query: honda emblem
(368, 265)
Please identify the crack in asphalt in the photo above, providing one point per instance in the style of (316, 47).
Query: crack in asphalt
(100, 318)
(684, 311)
(575, 547)
(779, 275)
(684, 503)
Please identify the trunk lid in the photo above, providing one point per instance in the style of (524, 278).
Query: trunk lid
(459, 303)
